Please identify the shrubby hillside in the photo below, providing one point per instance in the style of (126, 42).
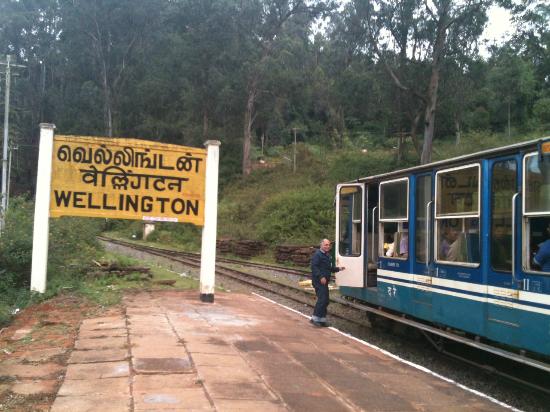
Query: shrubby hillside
(279, 206)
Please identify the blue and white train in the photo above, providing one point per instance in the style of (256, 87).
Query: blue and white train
(453, 243)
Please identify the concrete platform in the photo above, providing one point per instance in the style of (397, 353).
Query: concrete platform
(242, 353)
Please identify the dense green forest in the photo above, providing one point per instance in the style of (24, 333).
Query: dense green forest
(251, 73)
(363, 86)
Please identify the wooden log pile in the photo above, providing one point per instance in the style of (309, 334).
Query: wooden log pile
(224, 245)
(300, 255)
(241, 248)
(248, 248)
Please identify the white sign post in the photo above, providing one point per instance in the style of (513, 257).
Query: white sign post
(208, 247)
(42, 209)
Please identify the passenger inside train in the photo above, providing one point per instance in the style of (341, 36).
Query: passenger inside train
(397, 245)
(541, 259)
(452, 245)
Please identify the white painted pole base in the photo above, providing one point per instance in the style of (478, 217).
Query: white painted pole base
(42, 210)
(208, 247)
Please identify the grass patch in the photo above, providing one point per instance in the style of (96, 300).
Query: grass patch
(107, 289)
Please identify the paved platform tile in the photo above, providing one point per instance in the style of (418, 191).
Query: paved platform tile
(319, 403)
(135, 308)
(162, 365)
(98, 355)
(234, 355)
(174, 351)
(102, 333)
(200, 347)
(109, 342)
(169, 398)
(98, 370)
(289, 383)
(143, 383)
(107, 387)
(378, 398)
(149, 341)
(165, 332)
(256, 345)
(227, 374)
(104, 320)
(148, 316)
(239, 390)
(278, 363)
(151, 324)
(227, 405)
(115, 324)
(91, 403)
(196, 336)
(213, 359)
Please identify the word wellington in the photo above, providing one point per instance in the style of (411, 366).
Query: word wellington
(127, 179)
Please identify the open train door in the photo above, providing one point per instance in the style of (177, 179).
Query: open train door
(350, 234)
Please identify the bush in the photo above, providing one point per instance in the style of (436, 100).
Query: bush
(298, 216)
(177, 234)
(129, 229)
(352, 165)
(16, 245)
(72, 245)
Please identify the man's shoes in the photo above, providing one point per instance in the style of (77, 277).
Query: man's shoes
(315, 323)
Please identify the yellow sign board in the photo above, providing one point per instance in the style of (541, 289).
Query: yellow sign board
(127, 179)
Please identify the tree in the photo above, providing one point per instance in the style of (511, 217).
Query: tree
(108, 32)
(423, 34)
(29, 30)
(208, 44)
(517, 74)
(262, 23)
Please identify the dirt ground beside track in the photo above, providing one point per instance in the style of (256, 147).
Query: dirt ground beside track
(35, 347)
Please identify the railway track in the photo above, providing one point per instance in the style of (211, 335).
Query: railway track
(354, 312)
(196, 256)
(277, 287)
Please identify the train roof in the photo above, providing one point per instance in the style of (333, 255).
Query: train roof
(500, 151)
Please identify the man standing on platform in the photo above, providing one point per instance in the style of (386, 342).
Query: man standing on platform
(321, 269)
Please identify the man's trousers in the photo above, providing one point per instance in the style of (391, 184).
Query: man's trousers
(322, 293)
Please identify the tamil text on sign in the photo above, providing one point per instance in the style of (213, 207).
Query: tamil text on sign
(127, 179)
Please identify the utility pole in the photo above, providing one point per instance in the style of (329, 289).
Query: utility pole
(4, 195)
(9, 176)
(294, 159)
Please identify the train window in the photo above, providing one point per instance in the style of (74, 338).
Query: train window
(393, 217)
(393, 200)
(350, 221)
(536, 186)
(457, 215)
(423, 196)
(503, 187)
(536, 213)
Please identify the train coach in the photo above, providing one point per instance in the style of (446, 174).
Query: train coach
(458, 243)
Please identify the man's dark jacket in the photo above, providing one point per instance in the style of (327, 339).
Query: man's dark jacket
(322, 266)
